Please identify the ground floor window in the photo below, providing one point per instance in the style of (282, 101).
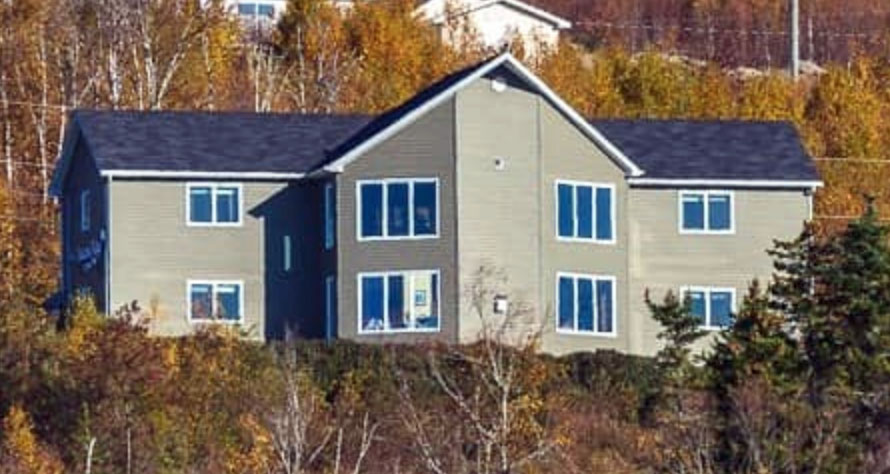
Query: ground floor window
(216, 301)
(404, 301)
(585, 304)
(712, 306)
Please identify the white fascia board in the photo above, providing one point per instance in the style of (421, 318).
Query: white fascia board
(560, 23)
(166, 174)
(726, 183)
(338, 165)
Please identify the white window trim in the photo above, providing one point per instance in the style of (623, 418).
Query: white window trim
(594, 185)
(404, 274)
(213, 189)
(86, 210)
(595, 333)
(706, 194)
(707, 290)
(214, 284)
(330, 219)
(385, 183)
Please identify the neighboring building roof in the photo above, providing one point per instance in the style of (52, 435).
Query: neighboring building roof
(677, 151)
(230, 142)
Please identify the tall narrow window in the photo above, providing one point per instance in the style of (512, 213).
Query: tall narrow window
(287, 253)
(398, 209)
(586, 304)
(706, 212)
(713, 307)
(86, 210)
(399, 302)
(330, 217)
(330, 307)
(213, 204)
(585, 212)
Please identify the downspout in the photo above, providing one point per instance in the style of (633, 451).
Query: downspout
(108, 182)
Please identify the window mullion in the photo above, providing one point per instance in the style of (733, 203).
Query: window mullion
(410, 209)
(706, 197)
(707, 294)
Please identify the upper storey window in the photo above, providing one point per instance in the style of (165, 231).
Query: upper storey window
(706, 212)
(585, 212)
(214, 204)
(398, 209)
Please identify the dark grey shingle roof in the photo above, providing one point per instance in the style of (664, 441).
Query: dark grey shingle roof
(213, 142)
(732, 150)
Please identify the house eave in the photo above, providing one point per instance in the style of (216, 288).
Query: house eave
(726, 183)
(188, 174)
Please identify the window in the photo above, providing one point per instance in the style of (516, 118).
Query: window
(214, 204)
(706, 212)
(398, 209)
(256, 9)
(287, 253)
(330, 223)
(712, 306)
(586, 304)
(398, 302)
(86, 210)
(330, 307)
(216, 301)
(585, 212)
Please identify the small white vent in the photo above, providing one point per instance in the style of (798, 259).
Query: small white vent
(500, 164)
(499, 85)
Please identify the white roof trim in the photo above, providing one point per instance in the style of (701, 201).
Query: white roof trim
(558, 22)
(728, 183)
(201, 174)
(339, 164)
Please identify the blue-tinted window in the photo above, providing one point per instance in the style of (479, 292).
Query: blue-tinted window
(201, 303)
(398, 224)
(566, 209)
(693, 212)
(247, 9)
(584, 212)
(228, 302)
(566, 303)
(397, 316)
(330, 216)
(604, 306)
(585, 304)
(719, 212)
(721, 309)
(604, 229)
(372, 303)
(425, 217)
(372, 210)
(264, 9)
(227, 210)
(200, 205)
(698, 305)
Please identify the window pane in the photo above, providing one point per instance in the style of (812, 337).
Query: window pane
(228, 302)
(398, 317)
(426, 300)
(604, 230)
(227, 205)
(719, 212)
(397, 211)
(693, 212)
(585, 304)
(697, 305)
(287, 253)
(566, 303)
(425, 209)
(372, 303)
(604, 307)
(266, 10)
(721, 309)
(329, 216)
(565, 202)
(584, 212)
(247, 9)
(372, 210)
(201, 301)
(200, 205)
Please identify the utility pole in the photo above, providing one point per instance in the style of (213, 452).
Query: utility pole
(795, 38)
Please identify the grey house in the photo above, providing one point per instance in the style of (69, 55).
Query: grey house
(373, 228)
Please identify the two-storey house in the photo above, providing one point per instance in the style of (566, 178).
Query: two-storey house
(373, 228)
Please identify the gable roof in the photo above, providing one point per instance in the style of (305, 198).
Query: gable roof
(134, 143)
(401, 117)
(689, 152)
(557, 21)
